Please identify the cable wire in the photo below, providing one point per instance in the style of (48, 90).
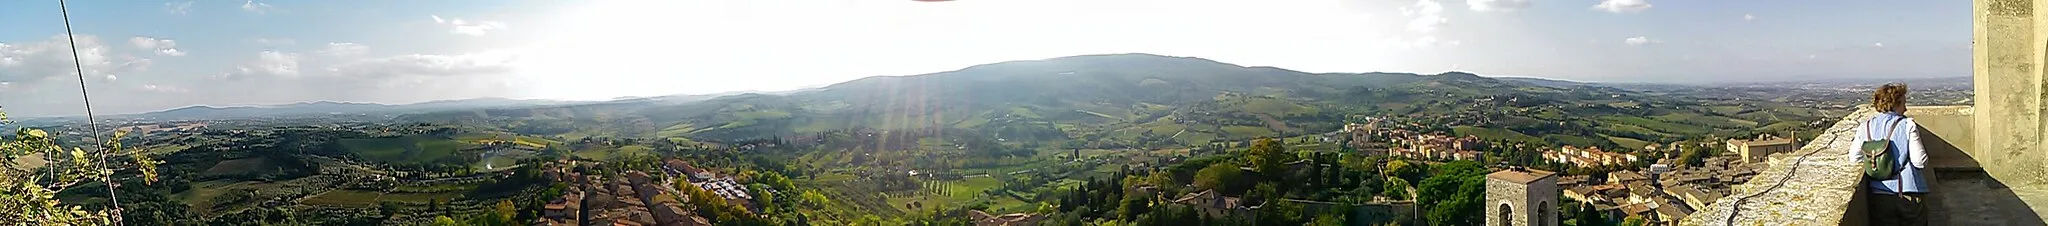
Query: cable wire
(78, 66)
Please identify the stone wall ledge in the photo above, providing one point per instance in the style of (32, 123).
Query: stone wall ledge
(1814, 185)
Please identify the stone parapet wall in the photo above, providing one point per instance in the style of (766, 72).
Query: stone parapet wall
(1814, 185)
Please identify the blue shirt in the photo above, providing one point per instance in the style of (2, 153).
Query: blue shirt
(1905, 145)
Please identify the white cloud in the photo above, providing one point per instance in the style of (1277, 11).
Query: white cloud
(179, 8)
(1623, 6)
(472, 28)
(1748, 17)
(162, 47)
(267, 64)
(1640, 40)
(345, 49)
(257, 7)
(1423, 42)
(52, 58)
(162, 88)
(345, 65)
(1427, 16)
(1497, 5)
(426, 66)
(1878, 45)
(275, 42)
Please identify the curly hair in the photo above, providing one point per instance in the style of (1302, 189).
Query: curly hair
(1889, 97)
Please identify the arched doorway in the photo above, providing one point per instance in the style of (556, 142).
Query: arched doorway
(1507, 215)
(1543, 214)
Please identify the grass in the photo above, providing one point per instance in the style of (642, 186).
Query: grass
(676, 130)
(200, 197)
(1632, 128)
(1713, 121)
(1660, 126)
(1247, 131)
(203, 191)
(1726, 110)
(1166, 129)
(753, 117)
(1024, 112)
(972, 121)
(1107, 116)
(406, 149)
(1630, 143)
(1195, 138)
(359, 198)
(236, 166)
(607, 153)
(963, 192)
(1272, 106)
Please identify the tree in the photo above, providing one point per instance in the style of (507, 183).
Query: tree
(1455, 194)
(1589, 216)
(31, 196)
(1396, 188)
(1633, 221)
(1134, 205)
(1270, 157)
(387, 208)
(445, 221)
(504, 211)
(1328, 220)
(1217, 176)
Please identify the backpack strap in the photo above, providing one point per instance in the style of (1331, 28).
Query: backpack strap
(1887, 133)
(1899, 178)
(1894, 128)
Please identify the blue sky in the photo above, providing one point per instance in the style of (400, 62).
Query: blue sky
(153, 55)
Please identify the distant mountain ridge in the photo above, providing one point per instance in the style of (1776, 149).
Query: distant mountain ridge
(1097, 101)
(332, 107)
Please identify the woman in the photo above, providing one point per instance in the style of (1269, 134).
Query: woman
(1895, 201)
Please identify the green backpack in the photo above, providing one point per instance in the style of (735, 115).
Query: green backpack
(1879, 163)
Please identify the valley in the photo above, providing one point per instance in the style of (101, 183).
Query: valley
(1099, 138)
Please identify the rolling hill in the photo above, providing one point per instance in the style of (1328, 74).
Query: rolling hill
(1130, 100)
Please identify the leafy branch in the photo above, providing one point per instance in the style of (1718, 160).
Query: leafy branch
(29, 197)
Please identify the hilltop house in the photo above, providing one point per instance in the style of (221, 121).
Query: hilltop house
(1213, 204)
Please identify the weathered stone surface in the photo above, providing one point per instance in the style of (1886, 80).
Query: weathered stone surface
(1510, 202)
(1811, 186)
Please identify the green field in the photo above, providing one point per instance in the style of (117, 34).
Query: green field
(356, 198)
(406, 149)
(238, 166)
(1712, 121)
(607, 153)
(1273, 106)
(1633, 128)
(1493, 133)
(201, 196)
(1630, 143)
(1247, 131)
(963, 192)
(1659, 126)
(676, 130)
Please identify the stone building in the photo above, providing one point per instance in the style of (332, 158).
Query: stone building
(1983, 159)
(1754, 150)
(1521, 197)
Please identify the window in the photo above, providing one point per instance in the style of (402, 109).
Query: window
(1506, 215)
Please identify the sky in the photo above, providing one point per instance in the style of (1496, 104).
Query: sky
(140, 56)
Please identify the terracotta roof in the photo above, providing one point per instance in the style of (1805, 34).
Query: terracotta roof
(1521, 177)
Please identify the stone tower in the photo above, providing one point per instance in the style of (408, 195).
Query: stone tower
(1521, 197)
